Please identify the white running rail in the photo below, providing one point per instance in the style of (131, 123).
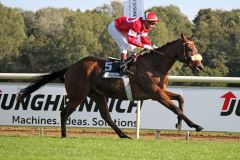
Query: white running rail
(171, 78)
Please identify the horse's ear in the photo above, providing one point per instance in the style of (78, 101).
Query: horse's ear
(182, 36)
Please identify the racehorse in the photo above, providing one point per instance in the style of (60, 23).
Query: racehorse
(148, 81)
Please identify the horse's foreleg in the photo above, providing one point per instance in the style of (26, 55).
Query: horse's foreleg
(165, 100)
(179, 98)
(101, 102)
(66, 112)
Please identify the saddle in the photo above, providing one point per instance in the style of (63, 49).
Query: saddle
(112, 70)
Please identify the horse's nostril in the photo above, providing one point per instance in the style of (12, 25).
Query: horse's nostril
(199, 67)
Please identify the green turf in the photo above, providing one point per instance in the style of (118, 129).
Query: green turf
(89, 148)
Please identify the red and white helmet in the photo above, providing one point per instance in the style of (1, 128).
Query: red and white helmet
(151, 17)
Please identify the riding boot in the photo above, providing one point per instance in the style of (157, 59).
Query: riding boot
(123, 67)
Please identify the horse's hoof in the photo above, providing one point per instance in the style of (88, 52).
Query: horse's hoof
(179, 126)
(199, 128)
(125, 136)
(128, 137)
(64, 136)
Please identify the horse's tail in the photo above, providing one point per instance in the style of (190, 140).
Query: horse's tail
(39, 82)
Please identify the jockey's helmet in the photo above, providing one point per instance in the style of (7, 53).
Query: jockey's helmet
(151, 17)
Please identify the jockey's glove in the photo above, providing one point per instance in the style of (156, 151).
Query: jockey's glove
(145, 46)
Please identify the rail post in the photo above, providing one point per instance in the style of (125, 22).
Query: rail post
(138, 118)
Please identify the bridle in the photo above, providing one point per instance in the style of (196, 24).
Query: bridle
(188, 58)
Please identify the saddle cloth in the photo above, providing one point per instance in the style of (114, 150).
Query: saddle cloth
(111, 70)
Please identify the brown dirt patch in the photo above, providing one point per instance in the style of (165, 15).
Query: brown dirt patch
(144, 134)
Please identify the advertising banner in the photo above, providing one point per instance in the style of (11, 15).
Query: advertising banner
(43, 108)
(215, 109)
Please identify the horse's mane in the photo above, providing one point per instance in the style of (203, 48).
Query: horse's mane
(159, 48)
(167, 44)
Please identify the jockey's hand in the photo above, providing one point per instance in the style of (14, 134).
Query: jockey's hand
(145, 46)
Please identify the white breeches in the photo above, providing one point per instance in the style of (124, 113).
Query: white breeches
(120, 39)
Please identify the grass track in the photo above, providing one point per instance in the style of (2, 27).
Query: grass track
(91, 148)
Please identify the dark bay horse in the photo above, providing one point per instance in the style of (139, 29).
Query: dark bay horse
(149, 81)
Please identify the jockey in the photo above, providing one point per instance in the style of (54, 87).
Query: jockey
(132, 32)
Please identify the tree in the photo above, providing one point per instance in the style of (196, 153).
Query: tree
(115, 9)
(218, 36)
(78, 37)
(11, 32)
(233, 54)
(49, 22)
(39, 56)
(43, 51)
(29, 22)
(174, 20)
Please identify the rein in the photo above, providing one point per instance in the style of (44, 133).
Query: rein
(157, 52)
(187, 58)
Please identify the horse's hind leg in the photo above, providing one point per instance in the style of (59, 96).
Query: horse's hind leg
(66, 112)
(72, 104)
(179, 98)
(101, 102)
(77, 87)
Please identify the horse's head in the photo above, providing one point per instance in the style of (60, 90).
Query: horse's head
(189, 54)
